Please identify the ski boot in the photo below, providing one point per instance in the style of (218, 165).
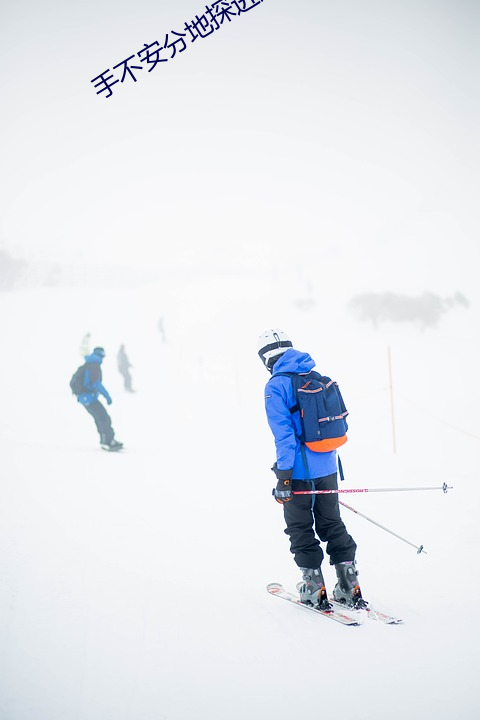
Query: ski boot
(312, 589)
(347, 590)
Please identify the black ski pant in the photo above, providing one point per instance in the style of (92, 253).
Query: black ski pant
(102, 421)
(310, 517)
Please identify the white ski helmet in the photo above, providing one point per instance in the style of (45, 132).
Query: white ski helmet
(271, 344)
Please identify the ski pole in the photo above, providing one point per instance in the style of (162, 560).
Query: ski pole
(419, 548)
(443, 487)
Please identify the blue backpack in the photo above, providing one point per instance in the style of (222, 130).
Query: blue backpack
(322, 411)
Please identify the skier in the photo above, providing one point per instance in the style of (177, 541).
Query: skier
(92, 388)
(85, 345)
(308, 518)
(161, 329)
(123, 364)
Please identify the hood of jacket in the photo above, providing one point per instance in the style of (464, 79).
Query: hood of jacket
(293, 361)
(93, 358)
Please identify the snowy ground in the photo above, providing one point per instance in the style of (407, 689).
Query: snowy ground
(133, 585)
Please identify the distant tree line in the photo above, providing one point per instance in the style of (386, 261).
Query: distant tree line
(11, 270)
(426, 309)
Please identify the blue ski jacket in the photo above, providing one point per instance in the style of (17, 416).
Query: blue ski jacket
(285, 426)
(93, 381)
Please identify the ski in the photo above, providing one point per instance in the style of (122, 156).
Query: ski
(371, 613)
(336, 613)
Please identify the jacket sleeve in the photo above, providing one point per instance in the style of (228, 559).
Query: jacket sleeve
(281, 424)
(99, 387)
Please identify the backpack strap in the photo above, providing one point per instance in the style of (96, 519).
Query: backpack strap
(293, 377)
(304, 458)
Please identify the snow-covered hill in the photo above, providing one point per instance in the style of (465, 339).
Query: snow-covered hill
(133, 585)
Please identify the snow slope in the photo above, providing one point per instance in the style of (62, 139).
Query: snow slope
(133, 585)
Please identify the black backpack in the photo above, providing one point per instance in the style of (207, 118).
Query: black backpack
(77, 382)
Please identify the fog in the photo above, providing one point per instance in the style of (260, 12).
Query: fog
(309, 165)
(347, 130)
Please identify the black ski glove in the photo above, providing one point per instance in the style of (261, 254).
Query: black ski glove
(283, 492)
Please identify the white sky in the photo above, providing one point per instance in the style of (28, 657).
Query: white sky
(341, 128)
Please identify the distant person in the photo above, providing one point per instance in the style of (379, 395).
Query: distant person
(87, 385)
(303, 465)
(124, 368)
(85, 345)
(161, 329)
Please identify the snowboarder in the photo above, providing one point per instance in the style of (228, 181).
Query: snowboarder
(123, 364)
(308, 518)
(88, 397)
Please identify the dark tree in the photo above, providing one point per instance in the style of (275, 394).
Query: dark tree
(426, 309)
